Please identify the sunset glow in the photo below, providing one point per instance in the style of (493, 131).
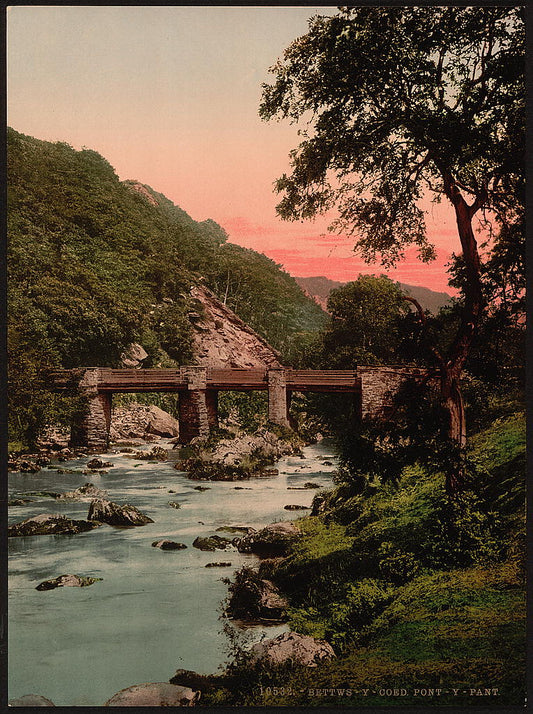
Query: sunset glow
(169, 96)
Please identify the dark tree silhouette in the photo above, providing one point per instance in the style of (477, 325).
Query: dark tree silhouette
(399, 103)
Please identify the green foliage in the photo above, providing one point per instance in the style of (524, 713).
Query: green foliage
(412, 591)
(96, 264)
(364, 329)
(248, 410)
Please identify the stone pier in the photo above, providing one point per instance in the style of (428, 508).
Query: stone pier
(91, 428)
(277, 397)
(379, 386)
(197, 406)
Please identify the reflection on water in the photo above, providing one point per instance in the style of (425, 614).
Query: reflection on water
(155, 611)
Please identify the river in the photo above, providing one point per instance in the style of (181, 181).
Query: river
(154, 611)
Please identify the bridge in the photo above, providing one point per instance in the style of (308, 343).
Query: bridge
(373, 389)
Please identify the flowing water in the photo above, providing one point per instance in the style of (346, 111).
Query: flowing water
(154, 611)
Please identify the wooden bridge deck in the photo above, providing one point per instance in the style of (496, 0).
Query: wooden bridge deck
(175, 380)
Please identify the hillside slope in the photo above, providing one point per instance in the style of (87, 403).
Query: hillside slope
(96, 264)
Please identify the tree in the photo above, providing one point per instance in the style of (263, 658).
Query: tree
(365, 326)
(400, 104)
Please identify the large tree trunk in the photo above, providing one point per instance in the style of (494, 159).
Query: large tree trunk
(454, 405)
(452, 365)
(452, 401)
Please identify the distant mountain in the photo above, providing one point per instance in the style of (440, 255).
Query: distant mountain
(320, 287)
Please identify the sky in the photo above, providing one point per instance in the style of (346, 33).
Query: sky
(170, 96)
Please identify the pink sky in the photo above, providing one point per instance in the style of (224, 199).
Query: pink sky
(170, 95)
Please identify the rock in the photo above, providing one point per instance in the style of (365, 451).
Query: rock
(327, 463)
(133, 355)
(43, 494)
(141, 421)
(275, 539)
(211, 543)
(30, 700)
(67, 581)
(95, 464)
(223, 340)
(237, 457)
(311, 484)
(221, 564)
(270, 472)
(294, 507)
(115, 514)
(84, 493)
(293, 647)
(161, 423)
(319, 505)
(168, 545)
(24, 466)
(48, 524)
(202, 488)
(235, 529)
(156, 453)
(19, 502)
(156, 694)
(174, 504)
(253, 598)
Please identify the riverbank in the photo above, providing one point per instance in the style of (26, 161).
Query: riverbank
(423, 603)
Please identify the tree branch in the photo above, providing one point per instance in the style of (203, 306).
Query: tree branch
(423, 320)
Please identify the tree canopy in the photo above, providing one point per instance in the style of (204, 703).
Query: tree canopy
(398, 104)
(365, 326)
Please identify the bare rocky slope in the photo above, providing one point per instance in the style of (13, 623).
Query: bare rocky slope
(221, 339)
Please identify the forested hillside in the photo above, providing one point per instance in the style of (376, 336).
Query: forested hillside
(96, 263)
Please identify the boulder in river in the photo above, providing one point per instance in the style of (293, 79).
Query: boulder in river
(84, 493)
(96, 464)
(19, 501)
(174, 504)
(274, 539)
(168, 545)
(253, 598)
(25, 466)
(155, 694)
(30, 700)
(211, 543)
(115, 514)
(294, 507)
(160, 423)
(221, 564)
(235, 529)
(293, 647)
(67, 581)
(49, 524)
(156, 453)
